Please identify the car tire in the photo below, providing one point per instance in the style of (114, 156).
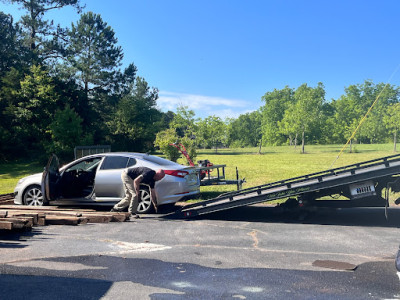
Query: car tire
(145, 206)
(33, 196)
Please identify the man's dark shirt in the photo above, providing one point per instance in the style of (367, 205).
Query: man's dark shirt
(148, 175)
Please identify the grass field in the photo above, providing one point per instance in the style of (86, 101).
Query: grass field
(11, 172)
(283, 162)
(274, 163)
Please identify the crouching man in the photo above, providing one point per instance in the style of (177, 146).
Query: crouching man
(131, 179)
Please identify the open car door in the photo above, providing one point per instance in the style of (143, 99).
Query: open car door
(50, 178)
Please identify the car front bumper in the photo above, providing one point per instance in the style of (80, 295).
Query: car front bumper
(17, 196)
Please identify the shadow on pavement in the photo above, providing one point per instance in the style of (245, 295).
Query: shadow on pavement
(345, 216)
(47, 287)
(169, 280)
(14, 239)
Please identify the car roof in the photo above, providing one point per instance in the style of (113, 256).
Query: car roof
(144, 156)
(130, 154)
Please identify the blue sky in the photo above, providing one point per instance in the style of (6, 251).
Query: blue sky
(220, 57)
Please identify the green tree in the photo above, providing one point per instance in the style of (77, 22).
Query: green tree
(167, 137)
(305, 115)
(66, 133)
(181, 131)
(14, 65)
(351, 107)
(184, 121)
(289, 125)
(37, 103)
(94, 59)
(391, 121)
(346, 111)
(212, 132)
(245, 131)
(273, 111)
(163, 140)
(94, 54)
(41, 35)
(137, 120)
(385, 95)
(13, 54)
(11, 139)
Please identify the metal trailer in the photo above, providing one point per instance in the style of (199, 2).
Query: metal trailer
(361, 184)
(205, 168)
(218, 177)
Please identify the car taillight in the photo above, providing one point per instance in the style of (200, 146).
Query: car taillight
(177, 173)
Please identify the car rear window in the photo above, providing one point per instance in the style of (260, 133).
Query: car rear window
(116, 162)
(158, 160)
(131, 162)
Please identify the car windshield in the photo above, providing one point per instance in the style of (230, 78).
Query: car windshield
(158, 160)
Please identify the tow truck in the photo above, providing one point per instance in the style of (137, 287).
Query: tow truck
(357, 185)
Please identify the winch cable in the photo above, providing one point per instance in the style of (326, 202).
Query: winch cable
(365, 116)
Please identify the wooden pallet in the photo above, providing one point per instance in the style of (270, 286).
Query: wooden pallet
(20, 217)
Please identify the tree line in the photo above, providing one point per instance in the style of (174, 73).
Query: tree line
(64, 87)
(295, 117)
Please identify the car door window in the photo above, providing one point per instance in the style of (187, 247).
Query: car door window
(114, 162)
(85, 165)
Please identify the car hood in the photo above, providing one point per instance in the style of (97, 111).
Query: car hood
(31, 178)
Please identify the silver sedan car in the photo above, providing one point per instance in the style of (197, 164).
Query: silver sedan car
(96, 179)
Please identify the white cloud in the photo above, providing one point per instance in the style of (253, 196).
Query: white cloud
(203, 105)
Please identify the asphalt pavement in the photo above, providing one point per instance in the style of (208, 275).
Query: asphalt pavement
(244, 253)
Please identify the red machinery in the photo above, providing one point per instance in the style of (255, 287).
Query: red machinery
(201, 163)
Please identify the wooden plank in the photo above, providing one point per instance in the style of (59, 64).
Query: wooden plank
(41, 221)
(19, 214)
(9, 196)
(83, 220)
(49, 208)
(38, 216)
(56, 215)
(6, 225)
(97, 218)
(6, 202)
(30, 220)
(115, 216)
(120, 217)
(26, 221)
(46, 212)
(62, 213)
(64, 220)
(19, 223)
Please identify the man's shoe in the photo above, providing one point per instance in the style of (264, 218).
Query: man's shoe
(114, 210)
(135, 216)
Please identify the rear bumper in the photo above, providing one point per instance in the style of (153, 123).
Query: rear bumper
(180, 197)
(190, 197)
